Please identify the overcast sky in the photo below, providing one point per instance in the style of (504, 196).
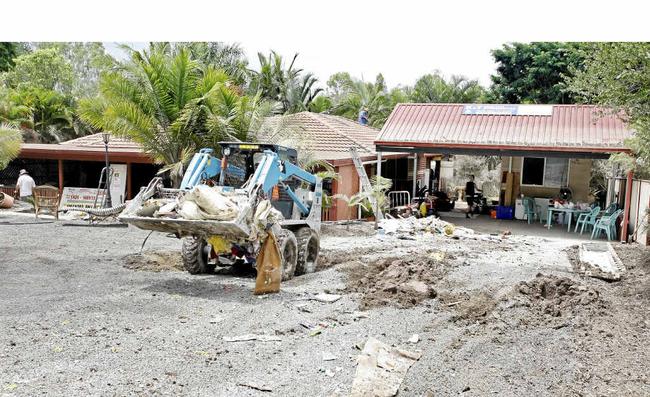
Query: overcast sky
(402, 65)
(401, 39)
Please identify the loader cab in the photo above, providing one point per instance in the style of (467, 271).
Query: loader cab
(247, 156)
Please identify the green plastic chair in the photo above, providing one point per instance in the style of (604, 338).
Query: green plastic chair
(611, 208)
(587, 219)
(606, 224)
(530, 209)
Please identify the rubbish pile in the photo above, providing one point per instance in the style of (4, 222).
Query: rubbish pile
(201, 203)
(205, 203)
(413, 225)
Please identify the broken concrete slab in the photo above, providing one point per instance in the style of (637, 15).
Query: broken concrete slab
(598, 259)
(381, 369)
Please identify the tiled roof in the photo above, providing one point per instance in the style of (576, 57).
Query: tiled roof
(579, 128)
(326, 137)
(96, 141)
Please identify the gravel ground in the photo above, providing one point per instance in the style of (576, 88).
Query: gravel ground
(80, 317)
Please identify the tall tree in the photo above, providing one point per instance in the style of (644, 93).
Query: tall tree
(87, 61)
(172, 104)
(356, 95)
(617, 76)
(44, 68)
(229, 57)
(433, 88)
(535, 72)
(285, 84)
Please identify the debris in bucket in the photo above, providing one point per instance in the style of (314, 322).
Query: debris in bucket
(381, 369)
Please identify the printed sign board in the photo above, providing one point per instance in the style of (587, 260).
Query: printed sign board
(80, 197)
(84, 197)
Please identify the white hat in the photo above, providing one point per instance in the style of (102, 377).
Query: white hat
(23, 172)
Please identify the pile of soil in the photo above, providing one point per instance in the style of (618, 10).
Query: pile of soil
(398, 282)
(469, 307)
(556, 296)
(155, 261)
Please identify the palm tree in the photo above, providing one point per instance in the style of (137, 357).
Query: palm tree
(433, 88)
(358, 94)
(10, 140)
(288, 86)
(172, 104)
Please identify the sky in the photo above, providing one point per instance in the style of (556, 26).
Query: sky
(402, 67)
(401, 39)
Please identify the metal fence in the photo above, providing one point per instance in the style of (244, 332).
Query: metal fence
(399, 198)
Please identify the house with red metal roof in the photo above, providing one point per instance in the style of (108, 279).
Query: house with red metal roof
(543, 147)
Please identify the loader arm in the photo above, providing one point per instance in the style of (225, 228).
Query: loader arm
(271, 171)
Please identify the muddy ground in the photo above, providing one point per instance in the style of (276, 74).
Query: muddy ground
(82, 312)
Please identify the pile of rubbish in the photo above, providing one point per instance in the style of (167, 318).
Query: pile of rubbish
(201, 203)
(413, 225)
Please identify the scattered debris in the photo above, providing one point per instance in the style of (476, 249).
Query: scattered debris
(327, 356)
(256, 387)
(249, 337)
(414, 339)
(381, 369)
(599, 260)
(326, 298)
(329, 373)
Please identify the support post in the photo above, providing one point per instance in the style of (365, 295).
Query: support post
(415, 172)
(377, 201)
(129, 189)
(626, 210)
(60, 170)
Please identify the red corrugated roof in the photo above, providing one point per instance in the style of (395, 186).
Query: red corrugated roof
(578, 128)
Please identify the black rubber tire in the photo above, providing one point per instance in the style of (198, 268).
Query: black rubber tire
(308, 250)
(195, 256)
(288, 246)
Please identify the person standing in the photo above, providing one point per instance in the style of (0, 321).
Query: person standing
(25, 185)
(470, 191)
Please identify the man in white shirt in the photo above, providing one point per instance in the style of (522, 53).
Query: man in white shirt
(25, 185)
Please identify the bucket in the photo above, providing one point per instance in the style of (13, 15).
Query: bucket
(493, 214)
(6, 201)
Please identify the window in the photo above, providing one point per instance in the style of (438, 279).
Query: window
(548, 172)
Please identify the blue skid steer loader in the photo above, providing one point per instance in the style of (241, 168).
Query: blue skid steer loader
(259, 173)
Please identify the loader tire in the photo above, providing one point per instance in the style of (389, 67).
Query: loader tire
(195, 255)
(308, 250)
(288, 246)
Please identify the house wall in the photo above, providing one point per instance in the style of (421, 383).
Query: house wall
(347, 184)
(579, 176)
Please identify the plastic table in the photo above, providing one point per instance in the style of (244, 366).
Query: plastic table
(569, 211)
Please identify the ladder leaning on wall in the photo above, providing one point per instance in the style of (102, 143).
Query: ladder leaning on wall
(365, 182)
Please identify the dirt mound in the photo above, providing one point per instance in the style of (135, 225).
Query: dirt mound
(398, 282)
(155, 261)
(469, 307)
(556, 296)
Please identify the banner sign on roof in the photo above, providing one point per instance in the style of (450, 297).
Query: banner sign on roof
(508, 110)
